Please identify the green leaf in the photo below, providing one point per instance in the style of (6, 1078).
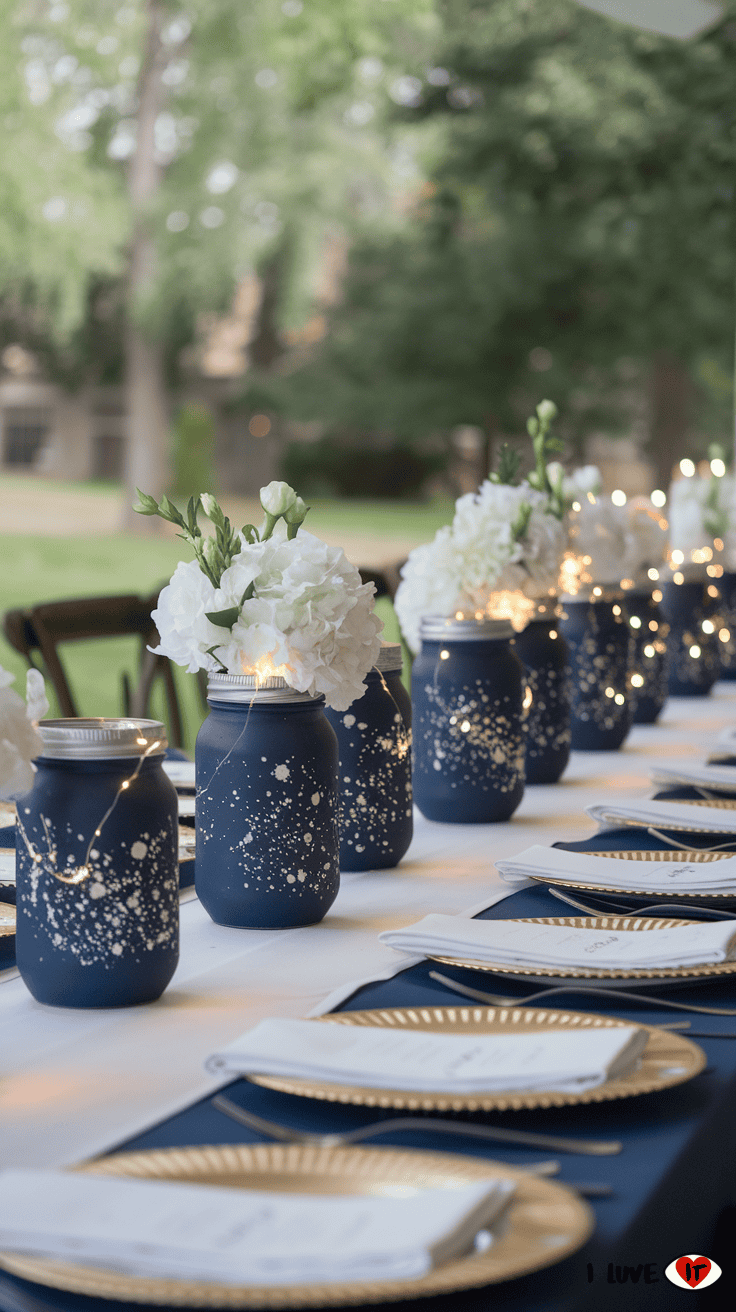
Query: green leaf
(224, 619)
(509, 461)
(145, 505)
(168, 510)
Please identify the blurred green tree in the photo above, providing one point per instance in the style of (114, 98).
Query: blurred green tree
(577, 239)
(157, 153)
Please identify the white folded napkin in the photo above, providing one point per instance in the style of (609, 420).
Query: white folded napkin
(726, 740)
(181, 773)
(241, 1236)
(7, 867)
(717, 778)
(662, 815)
(670, 877)
(373, 1057)
(186, 807)
(523, 943)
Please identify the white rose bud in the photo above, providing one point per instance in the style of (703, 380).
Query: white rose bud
(297, 513)
(208, 503)
(277, 498)
(547, 411)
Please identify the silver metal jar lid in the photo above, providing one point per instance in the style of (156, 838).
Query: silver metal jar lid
(101, 739)
(389, 657)
(248, 688)
(442, 628)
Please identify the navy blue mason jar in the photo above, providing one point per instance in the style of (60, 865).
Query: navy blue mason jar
(267, 838)
(597, 633)
(374, 741)
(692, 609)
(543, 653)
(650, 662)
(727, 631)
(467, 697)
(97, 871)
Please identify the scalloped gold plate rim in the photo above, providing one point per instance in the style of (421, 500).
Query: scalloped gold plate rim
(667, 1060)
(653, 895)
(543, 1224)
(628, 923)
(696, 856)
(671, 826)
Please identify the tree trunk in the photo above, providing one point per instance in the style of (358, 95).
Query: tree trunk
(147, 452)
(670, 391)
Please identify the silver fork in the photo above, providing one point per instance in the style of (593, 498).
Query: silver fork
(494, 1133)
(657, 908)
(541, 995)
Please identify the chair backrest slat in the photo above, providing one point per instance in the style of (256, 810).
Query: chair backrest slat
(42, 629)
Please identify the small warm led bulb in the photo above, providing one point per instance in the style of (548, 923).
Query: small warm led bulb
(687, 468)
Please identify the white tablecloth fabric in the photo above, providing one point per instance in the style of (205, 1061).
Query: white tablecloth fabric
(73, 1083)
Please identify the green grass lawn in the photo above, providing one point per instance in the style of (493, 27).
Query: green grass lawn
(36, 569)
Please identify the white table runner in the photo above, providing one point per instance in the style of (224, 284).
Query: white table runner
(73, 1083)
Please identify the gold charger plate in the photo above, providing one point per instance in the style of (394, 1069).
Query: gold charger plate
(710, 970)
(543, 1224)
(668, 1059)
(652, 895)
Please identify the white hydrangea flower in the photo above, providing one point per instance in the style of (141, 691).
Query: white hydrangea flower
(599, 530)
(184, 630)
(20, 741)
(431, 584)
(478, 556)
(694, 506)
(646, 539)
(310, 617)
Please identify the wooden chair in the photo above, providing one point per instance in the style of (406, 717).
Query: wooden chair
(38, 631)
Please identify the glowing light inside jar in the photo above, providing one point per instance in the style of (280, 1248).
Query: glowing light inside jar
(635, 622)
(264, 668)
(695, 651)
(637, 680)
(512, 606)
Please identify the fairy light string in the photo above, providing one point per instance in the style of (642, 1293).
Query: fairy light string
(78, 874)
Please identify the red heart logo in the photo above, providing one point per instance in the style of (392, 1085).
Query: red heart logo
(692, 1269)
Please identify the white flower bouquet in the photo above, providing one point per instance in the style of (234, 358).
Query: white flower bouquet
(700, 515)
(646, 541)
(268, 601)
(502, 552)
(20, 740)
